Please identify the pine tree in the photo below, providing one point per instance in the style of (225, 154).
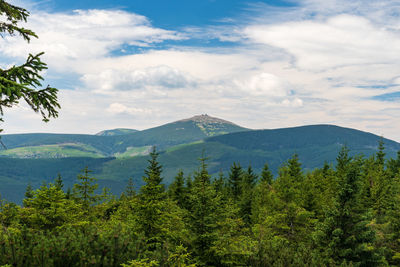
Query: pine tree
(28, 195)
(130, 191)
(48, 208)
(204, 214)
(344, 237)
(219, 183)
(235, 180)
(20, 82)
(84, 190)
(380, 155)
(294, 168)
(59, 182)
(177, 190)
(289, 181)
(152, 202)
(246, 200)
(342, 160)
(266, 175)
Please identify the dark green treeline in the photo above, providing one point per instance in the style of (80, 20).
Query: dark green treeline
(342, 215)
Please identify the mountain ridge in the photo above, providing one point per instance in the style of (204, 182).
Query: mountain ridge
(182, 143)
(120, 141)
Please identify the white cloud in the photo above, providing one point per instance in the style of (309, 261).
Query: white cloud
(84, 35)
(264, 84)
(139, 79)
(339, 41)
(117, 108)
(297, 102)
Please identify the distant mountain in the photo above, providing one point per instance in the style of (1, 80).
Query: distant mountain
(176, 133)
(183, 143)
(118, 131)
(117, 142)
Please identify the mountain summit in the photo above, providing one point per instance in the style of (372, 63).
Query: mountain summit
(212, 126)
(204, 118)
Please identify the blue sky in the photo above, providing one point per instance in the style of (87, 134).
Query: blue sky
(172, 14)
(261, 64)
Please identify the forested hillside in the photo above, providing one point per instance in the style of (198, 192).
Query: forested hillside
(314, 144)
(343, 214)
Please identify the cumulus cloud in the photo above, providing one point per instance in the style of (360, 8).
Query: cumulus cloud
(339, 41)
(158, 77)
(264, 84)
(117, 108)
(68, 38)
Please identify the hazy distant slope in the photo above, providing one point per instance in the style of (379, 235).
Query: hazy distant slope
(303, 136)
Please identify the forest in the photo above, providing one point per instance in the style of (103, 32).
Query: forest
(342, 215)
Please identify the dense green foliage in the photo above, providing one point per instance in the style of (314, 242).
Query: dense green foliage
(347, 215)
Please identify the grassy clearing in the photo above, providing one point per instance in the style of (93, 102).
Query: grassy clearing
(133, 152)
(53, 151)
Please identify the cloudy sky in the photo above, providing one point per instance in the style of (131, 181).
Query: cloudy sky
(261, 64)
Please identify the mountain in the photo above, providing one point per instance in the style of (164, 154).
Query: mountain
(118, 131)
(115, 143)
(314, 144)
(176, 133)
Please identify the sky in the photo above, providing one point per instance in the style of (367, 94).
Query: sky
(260, 64)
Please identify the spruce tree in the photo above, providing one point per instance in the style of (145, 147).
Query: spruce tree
(20, 82)
(342, 160)
(219, 183)
(130, 191)
(289, 181)
(235, 180)
(152, 176)
(84, 190)
(246, 199)
(294, 168)
(152, 202)
(344, 236)
(49, 208)
(177, 190)
(28, 195)
(204, 215)
(266, 175)
(59, 182)
(380, 155)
